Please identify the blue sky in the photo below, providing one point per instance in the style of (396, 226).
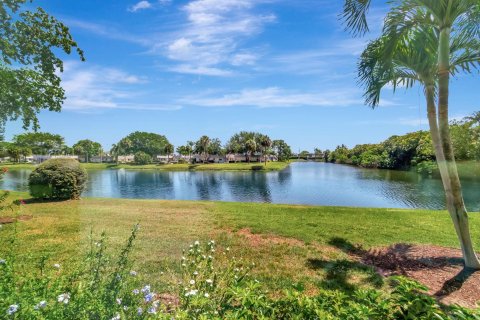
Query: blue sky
(185, 68)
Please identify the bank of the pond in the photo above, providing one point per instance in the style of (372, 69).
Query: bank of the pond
(282, 239)
(270, 166)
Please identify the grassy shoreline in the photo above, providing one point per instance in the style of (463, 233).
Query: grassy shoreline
(281, 239)
(271, 166)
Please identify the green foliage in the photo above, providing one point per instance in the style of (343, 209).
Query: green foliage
(427, 168)
(169, 148)
(30, 41)
(185, 150)
(202, 147)
(58, 179)
(3, 194)
(238, 142)
(143, 158)
(87, 148)
(40, 142)
(282, 150)
(411, 149)
(149, 143)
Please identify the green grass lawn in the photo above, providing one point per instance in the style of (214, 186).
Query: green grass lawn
(271, 166)
(281, 239)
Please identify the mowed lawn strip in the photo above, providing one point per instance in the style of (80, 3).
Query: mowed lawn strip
(281, 239)
(366, 226)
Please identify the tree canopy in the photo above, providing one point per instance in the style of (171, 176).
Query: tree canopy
(150, 143)
(87, 148)
(29, 63)
(40, 142)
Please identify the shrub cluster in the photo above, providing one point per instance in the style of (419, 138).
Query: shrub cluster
(59, 179)
(142, 158)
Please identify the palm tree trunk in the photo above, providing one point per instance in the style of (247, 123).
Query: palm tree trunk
(455, 202)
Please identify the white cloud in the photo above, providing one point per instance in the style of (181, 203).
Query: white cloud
(108, 32)
(93, 87)
(212, 35)
(274, 97)
(142, 5)
(327, 60)
(201, 70)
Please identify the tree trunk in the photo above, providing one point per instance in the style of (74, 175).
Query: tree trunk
(455, 202)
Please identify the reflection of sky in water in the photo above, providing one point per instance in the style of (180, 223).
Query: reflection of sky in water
(301, 183)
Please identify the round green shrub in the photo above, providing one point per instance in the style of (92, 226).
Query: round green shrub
(58, 179)
(142, 158)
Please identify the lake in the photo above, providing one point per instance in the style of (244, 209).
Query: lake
(301, 183)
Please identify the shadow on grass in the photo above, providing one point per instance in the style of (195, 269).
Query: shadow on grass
(455, 283)
(39, 200)
(399, 259)
(340, 274)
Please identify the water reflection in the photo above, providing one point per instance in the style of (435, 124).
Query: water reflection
(301, 183)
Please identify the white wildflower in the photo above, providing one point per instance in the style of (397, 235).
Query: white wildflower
(64, 297)
(12, 309)
(191, 293)
(41, 305)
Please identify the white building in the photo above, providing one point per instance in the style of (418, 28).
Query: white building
(126, 159)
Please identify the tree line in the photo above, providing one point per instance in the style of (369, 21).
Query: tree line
(409, 150)
(145, 146)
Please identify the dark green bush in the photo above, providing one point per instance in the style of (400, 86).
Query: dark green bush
(58, 179)
(427, 168)
(142, 158)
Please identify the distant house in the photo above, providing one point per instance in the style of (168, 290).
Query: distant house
(5, 159)
(214, 158)
(126, 159)
(102, 159)
(173, 158)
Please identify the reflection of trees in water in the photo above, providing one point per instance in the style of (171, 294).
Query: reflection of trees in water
(249, 187)
(208, 186)
(406, 187)
(147, 184)
(283, 177)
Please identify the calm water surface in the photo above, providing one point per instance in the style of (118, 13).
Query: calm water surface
(301, 183)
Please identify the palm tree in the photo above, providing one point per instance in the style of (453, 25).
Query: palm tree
(190, 145)
(266, 143)
(169, 150)
(425, 41)
(204, 142)
(250, 147)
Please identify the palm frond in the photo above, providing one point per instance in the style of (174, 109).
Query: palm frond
(354, 16)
